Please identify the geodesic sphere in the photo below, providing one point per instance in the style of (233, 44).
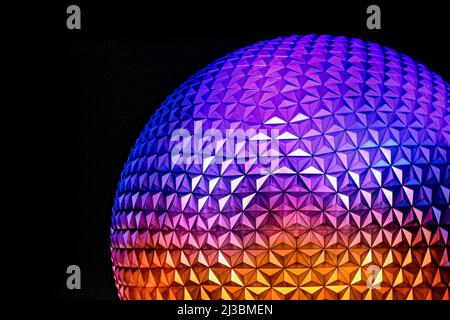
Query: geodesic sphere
(345, 196)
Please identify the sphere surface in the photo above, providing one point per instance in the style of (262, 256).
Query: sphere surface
(338, 189)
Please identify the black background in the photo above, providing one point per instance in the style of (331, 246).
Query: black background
(113, 73)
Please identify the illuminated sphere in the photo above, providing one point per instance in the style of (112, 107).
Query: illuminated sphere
(356, 206)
